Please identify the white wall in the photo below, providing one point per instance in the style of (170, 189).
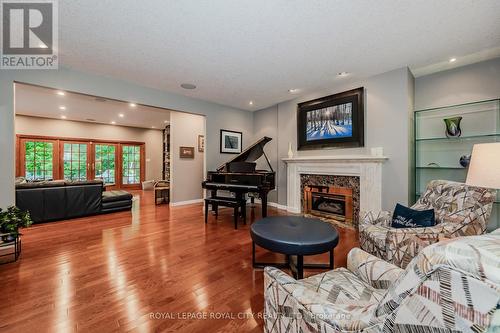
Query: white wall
(186, 174)
(153, 139)
(218, 116)
(388, 109)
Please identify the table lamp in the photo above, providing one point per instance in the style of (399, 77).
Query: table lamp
(484, 167)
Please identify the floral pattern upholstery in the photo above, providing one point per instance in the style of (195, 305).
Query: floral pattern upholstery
(460, 210)
(451, 286)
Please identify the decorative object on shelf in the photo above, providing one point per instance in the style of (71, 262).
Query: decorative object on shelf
(11, 220)
(331, 121)
(465, 160)
(201, 143)
(230, 142)
(186, 152)
(484, 166)
(453, 129)
(290, 151)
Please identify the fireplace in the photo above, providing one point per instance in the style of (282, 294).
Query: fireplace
(329, 202)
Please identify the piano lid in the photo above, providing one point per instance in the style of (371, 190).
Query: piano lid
(251, 154)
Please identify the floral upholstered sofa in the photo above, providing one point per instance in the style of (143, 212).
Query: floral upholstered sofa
(451, 286)
(460, 210)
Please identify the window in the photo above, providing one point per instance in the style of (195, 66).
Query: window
(131, 164)
(105, 163)
(75, 161)
(38, 160)
(118, 164)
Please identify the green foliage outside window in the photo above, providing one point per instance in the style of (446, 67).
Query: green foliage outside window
(131, 164)
(39, 160)
(105, 163)
(75, 161)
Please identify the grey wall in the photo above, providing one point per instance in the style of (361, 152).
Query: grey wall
(265, 123)
(153, 139)
(186, 173)
(476, 82)
(218, 116)
(389, 105)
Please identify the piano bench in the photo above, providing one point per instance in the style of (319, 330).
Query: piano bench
(236, 204)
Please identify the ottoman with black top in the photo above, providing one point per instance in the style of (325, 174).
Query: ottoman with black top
(295, 237)
(113, 201)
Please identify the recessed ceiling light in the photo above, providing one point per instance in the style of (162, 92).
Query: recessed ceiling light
(62, 107)
(113, 122)
(293, 91)
(251, 102)
(453, 59)
(152, 127)
(342, 74)
(121, 115)
(63, 117)
(60, 93)
(165, 121)
(188, 86)
(133, 105)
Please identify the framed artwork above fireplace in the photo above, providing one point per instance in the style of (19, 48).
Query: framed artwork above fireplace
(332, 121)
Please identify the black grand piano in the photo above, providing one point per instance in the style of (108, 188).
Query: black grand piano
(239, 175)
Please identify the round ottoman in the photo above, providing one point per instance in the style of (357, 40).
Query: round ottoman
(295, 237)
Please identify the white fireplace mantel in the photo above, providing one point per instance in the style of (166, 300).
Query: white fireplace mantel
(367, 167)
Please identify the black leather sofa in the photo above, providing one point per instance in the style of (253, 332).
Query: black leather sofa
(59, 199)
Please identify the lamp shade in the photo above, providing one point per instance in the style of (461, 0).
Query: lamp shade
(484, 168)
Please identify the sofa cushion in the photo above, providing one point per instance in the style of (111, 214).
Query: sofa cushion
(117, 195)
(405, 217)
(41, 184)
(342, 286)
(83, 182)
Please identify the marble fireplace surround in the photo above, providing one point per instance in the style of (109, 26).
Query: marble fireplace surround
(367, 167)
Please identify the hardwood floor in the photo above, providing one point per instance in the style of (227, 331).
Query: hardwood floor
(150, 270)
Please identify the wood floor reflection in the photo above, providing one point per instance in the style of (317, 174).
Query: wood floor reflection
(157, 268)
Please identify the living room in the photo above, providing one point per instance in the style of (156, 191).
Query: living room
(248, 135)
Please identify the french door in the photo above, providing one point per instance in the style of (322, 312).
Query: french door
(119, 165)
(75, 158)
(104, 164)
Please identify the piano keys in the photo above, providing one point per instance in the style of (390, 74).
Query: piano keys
(239, 175)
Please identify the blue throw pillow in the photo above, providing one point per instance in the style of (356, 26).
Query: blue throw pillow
(405, 217)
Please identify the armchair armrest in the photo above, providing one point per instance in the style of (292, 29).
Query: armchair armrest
(380, 218)
(288, 303)
(378, 273)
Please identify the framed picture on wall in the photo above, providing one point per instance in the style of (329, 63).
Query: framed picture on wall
(201, 143)
(230, 142)
(332, 121)
(186, 152)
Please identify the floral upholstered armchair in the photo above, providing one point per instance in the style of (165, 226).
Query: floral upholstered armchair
(460, 210)
(451, 286)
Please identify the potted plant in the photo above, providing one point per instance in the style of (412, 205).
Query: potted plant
(11, 220)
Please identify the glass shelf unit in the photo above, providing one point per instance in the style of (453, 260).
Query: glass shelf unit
(438, 157)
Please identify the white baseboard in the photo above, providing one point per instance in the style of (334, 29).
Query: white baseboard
(273, 204)
(187, 202)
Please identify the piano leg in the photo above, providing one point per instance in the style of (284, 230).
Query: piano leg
(213, 194)
(263, 198)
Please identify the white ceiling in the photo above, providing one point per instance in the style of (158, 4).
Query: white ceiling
(46, 102)
(236, 51)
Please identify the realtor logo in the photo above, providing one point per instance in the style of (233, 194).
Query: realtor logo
(29, 34)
